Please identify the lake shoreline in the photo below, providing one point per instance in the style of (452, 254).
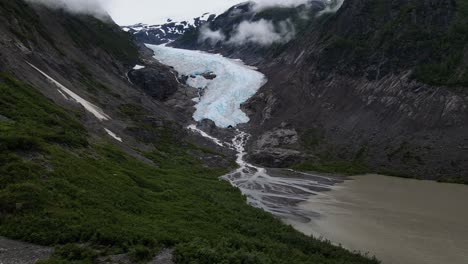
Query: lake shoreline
(398, 220)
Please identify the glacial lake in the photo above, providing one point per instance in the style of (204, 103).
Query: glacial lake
(400, 221)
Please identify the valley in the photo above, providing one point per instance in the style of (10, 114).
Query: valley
(256, 136)
(377, 214)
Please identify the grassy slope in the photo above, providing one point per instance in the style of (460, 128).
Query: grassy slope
(56, 189)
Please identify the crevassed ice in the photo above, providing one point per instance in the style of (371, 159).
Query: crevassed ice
(235, 83)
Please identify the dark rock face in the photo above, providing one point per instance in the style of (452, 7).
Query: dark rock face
(276, 158)
(277, 148)
(157, 83)
(209, 75)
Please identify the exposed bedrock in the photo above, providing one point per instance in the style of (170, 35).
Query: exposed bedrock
(156, 82)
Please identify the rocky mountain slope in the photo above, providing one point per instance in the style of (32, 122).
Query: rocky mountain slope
(378, 86)
(222, 35)
(95, 159)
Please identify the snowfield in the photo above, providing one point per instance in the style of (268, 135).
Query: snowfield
(96, 111)
(234, 84)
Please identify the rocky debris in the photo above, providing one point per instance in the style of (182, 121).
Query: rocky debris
(4, 119)
(157, 83)
(164, 257)
(276, 157)
(277, 148)
(15, 252)
(182, 101)
(115, 259)
(276, 138)
(207, 125)
(264, 103)
(209, 75)
(225, 134)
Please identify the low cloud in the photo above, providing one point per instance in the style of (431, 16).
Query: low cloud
(266, 32)
(262, 32)
(332, 6)
(262, 4)
(213, 37)
(88, 7)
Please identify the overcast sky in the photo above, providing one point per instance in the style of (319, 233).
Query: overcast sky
(126, 12)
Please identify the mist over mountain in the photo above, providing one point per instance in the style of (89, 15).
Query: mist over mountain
(209, 139)
(89, 7)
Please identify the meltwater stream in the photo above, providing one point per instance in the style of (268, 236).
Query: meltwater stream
(277, 192)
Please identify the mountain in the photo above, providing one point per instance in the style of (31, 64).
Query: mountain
(167, 32)
(379, 86)
(365, 86)
(271, 22)
(96, 162)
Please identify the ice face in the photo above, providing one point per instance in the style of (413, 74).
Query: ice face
(234, 84)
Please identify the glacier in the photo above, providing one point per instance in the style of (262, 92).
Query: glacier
(234, 84)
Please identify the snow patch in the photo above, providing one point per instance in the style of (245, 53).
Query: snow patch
(112, 134)
(60, 92)
(205, 135)
(299, 57)
(235, 83)
(138, 67)
(96, 111)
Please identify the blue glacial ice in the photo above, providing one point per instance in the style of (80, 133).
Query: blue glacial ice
(235, 83)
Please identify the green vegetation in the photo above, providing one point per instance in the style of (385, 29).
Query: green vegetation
(405, 154)
(72, 253)
(449, 65)
(326, 162)
(86, 31)
(87, 78)
(311, 138)
(296, 16)
(35, 121)
(94, 200)
(334, 166)
(454, 179)
(27, 25)
(434, 45)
